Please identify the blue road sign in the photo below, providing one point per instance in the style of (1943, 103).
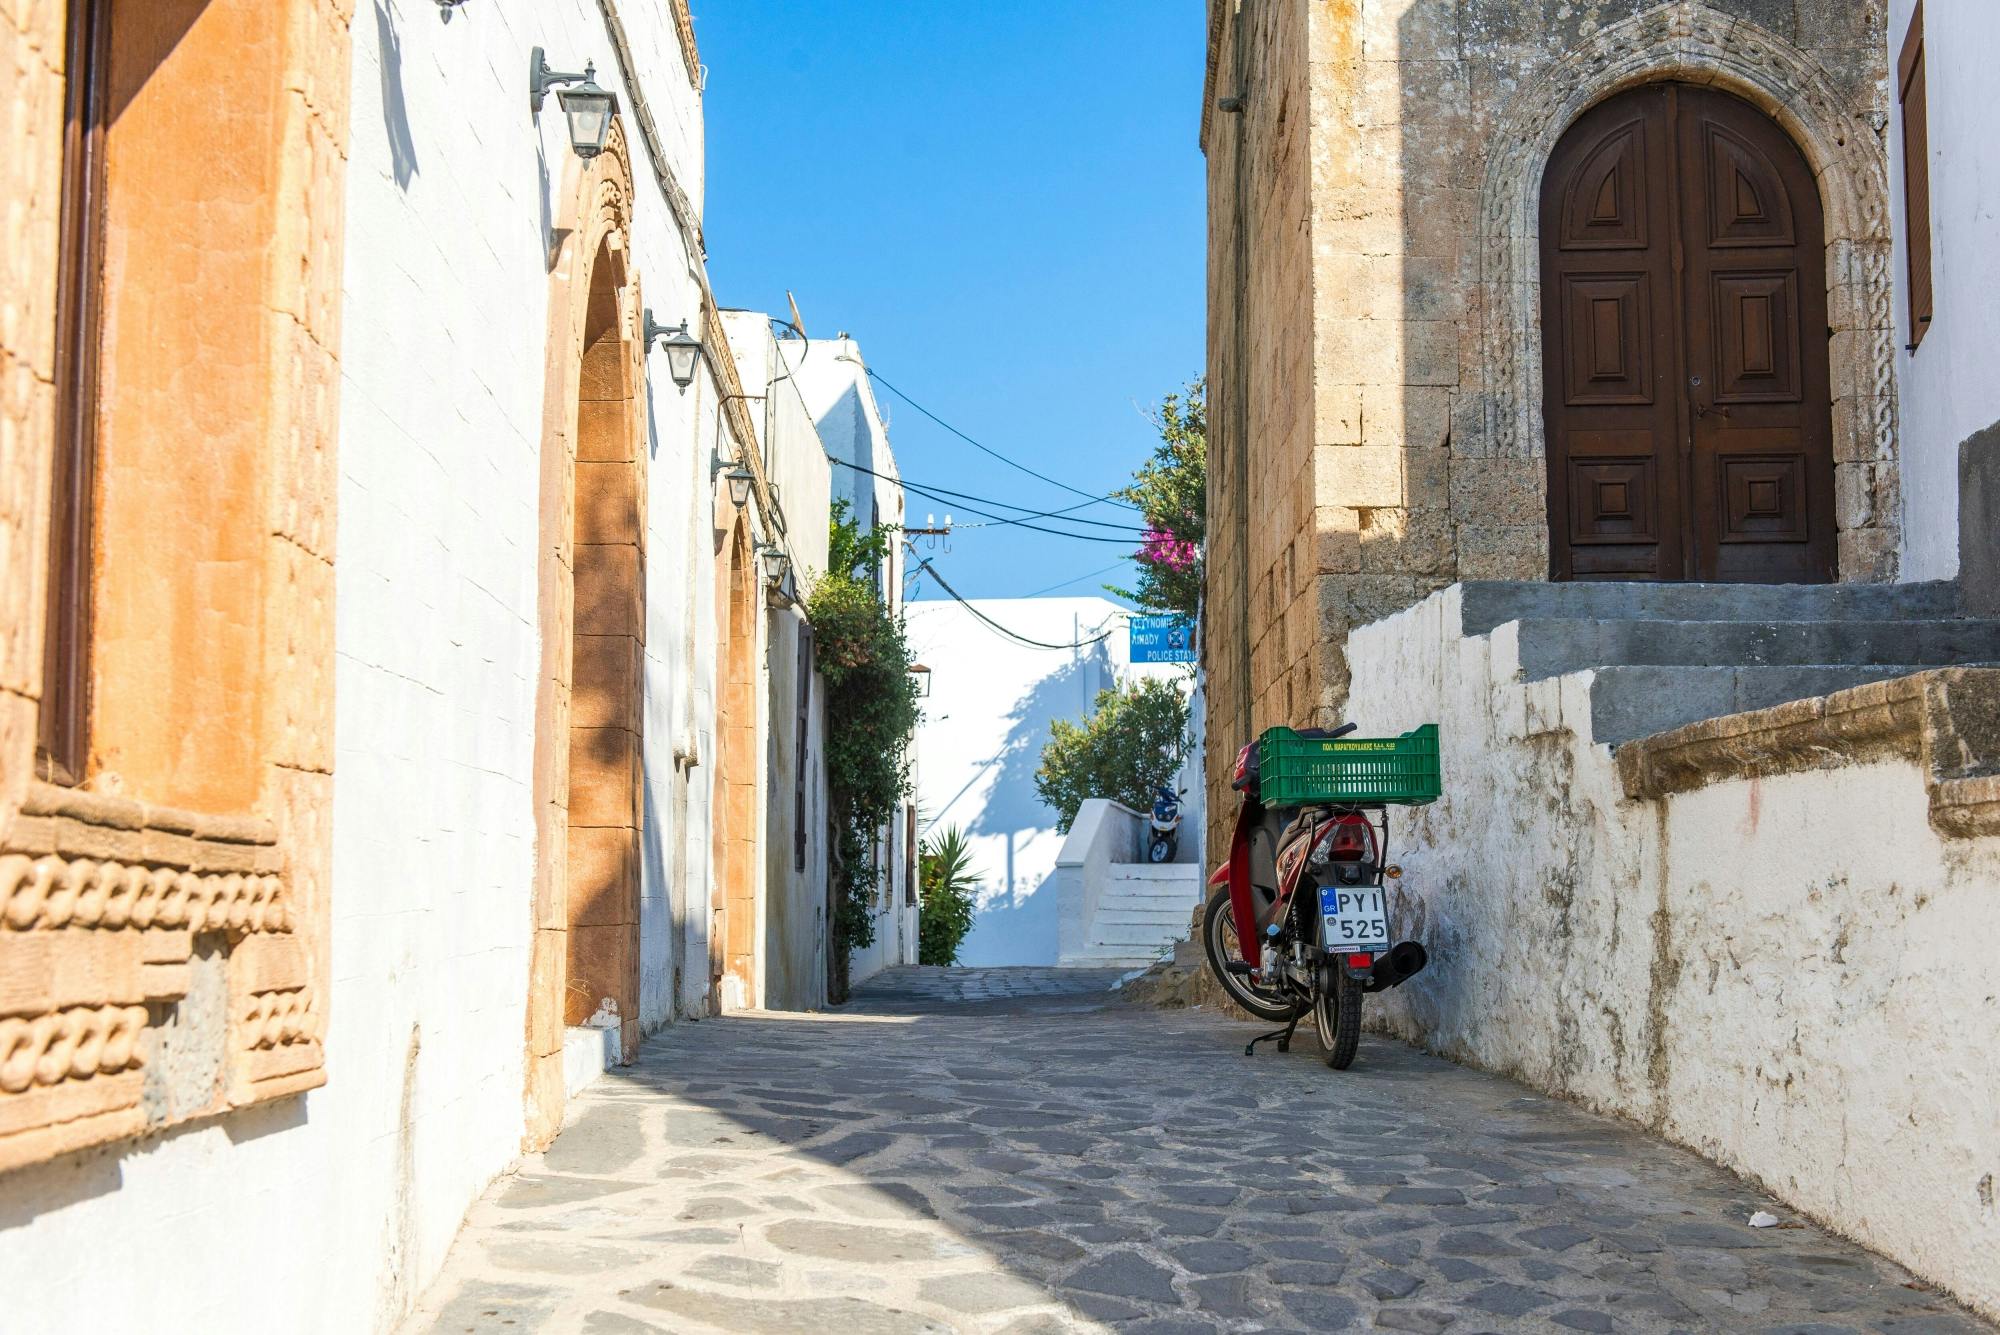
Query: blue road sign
(1162, 639)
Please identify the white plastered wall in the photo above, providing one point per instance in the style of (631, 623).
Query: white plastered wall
(1947, 387)
(1793, 975)
(329, 1213)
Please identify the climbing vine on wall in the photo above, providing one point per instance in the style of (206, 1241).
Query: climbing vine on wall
(871, 714)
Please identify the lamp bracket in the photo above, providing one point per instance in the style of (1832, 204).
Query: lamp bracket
(541, 78)
(655, 330)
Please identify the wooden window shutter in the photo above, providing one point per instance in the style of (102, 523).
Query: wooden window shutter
(1916, 174)
(910, 854)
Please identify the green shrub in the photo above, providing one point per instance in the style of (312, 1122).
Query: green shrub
(1125, 750)
(944, 871)
(871, 713)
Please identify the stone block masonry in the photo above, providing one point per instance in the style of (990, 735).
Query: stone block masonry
(1375, 342)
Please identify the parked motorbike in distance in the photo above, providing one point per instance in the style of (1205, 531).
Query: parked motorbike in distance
(1299, 918)
(1164, 840)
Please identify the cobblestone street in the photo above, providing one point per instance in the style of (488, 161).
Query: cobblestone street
(1013, 1151)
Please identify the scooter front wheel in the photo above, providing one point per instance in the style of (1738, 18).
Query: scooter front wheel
(1337, 1016)
(1220, 942)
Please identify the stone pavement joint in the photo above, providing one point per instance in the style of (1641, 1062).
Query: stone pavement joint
(1017, 1152)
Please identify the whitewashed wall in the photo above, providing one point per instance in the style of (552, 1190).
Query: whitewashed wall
(792, 926)
(1947, 388)
(832, 379)
(1793, 975)
(992, 701)
(329, 1213)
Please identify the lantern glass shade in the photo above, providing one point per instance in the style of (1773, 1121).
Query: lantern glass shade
(683, 351)
(775, 562)
(739, 480)
(589, 109)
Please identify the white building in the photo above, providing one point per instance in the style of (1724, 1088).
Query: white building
(1947, 320)
(833, 379)
(503, 748)
(789, 898)
(992, 699)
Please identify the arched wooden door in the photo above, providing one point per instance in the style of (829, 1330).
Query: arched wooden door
(1685, 346)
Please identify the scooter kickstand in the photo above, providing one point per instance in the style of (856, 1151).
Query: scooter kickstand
(1284, 1037)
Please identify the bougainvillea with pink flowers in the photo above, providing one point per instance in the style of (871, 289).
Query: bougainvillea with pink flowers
(1171, 490)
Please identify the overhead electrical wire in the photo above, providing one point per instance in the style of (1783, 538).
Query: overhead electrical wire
(873, 374)
(988, 514)
(1078, 579)
(931, 570)
(936, 492)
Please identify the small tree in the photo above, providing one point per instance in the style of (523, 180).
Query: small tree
(1125, 750)
(944, 870)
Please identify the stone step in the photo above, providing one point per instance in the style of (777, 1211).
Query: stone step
(1549, 648)
(1108, 960)
(1163, 925)
(1488, 603)
(1166, 873)
(1174, 896)
(1634, 701)
(1104, 933)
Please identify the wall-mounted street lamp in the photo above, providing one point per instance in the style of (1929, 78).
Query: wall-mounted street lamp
(923, 676)
(588, 107)
(446, 8)
(682, 348)
(739, 480)
(775, 562)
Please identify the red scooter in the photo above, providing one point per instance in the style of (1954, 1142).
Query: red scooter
(1299, 920)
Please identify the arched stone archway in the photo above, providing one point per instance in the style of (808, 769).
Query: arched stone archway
(733, 932)
(1692, 42)
(588, 718)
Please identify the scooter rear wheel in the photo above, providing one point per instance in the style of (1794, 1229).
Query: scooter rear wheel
(1337, 1016)
(1220, 942)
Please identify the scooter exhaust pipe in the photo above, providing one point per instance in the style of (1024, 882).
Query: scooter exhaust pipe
(1404, 961)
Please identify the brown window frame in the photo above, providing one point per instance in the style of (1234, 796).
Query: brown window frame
(1911, 99)
(910, 854)
(62, 740)
(805, 718)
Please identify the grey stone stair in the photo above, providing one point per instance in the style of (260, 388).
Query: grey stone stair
(1487, 603)
(1665, 655)
(1550, 648)
(1628, 702)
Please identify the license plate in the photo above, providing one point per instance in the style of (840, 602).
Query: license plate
(1355, 918)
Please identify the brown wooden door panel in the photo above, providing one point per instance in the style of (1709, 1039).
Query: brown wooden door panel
(1610, 325)
(1686, 386)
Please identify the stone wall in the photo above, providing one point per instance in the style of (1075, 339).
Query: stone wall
(1374, 337)
(1764, 936)
(1263, 618)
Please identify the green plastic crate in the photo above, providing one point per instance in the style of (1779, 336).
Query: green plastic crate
(1298, 771)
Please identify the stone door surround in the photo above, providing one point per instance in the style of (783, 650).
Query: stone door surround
(1694, 42)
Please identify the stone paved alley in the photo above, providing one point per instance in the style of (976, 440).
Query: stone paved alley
(1014, 1151)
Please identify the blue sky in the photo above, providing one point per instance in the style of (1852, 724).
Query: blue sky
(1004, 203)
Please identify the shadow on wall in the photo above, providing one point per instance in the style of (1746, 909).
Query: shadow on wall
(395, 112)
(1018, 926)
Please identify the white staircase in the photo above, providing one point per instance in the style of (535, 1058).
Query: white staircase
(1141, 913)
